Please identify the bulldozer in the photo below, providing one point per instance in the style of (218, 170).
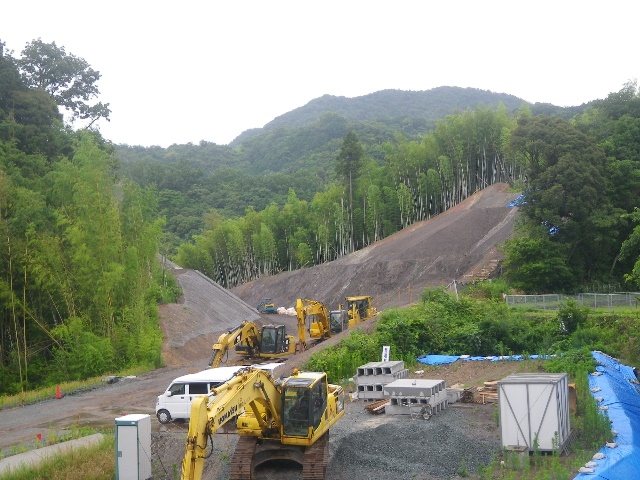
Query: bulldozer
(250, 341)
(276, 419)
(360, 309)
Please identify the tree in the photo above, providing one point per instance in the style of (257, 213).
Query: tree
(566, 194)
(537, 265)
(631, 247)
(68, 79)
(348, 163)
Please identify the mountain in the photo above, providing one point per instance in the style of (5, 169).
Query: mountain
(390, 107)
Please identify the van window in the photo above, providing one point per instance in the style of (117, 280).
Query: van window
(177, 389)
(198, 389)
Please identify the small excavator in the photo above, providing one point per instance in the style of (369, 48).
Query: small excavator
(269, 342)
(317, 316)
(267, 306)
(277, 419)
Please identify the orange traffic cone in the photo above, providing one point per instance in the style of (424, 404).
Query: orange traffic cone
(58, 394)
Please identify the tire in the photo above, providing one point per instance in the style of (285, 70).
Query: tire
(164, 416)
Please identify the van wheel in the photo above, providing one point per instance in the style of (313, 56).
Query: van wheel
(163, 416)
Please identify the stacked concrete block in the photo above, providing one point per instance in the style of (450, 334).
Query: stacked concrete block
(371, 378)
(413, 396)
(454, 394)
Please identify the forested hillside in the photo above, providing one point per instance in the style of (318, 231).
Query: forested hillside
(297, 150)
(579, 178)
(83, 220)
(78, 294)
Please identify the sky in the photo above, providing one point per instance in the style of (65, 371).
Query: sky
(183, 72)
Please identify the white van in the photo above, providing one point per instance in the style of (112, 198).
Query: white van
(175, 402)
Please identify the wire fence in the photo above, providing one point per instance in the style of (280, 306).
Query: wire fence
(591, 300)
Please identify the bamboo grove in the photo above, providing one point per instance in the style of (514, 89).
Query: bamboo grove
(367, 202)
(78, 247)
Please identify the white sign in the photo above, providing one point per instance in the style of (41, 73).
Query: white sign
(385, 353)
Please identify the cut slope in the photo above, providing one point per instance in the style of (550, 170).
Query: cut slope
(457, 245)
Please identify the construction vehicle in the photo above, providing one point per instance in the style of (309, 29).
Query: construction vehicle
(323, 324)
(314, 317)
(266, 306)
(271, 341)
(284, 419)
(360, 309)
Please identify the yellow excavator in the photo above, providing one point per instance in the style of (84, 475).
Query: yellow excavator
(323, 323)
(284, 419)
(314, 316)
(250, 341)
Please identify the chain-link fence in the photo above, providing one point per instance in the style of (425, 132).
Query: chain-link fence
(592, 300)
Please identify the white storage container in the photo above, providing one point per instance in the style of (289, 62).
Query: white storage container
(534, 406)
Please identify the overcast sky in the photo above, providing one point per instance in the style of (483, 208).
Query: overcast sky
(179, 72)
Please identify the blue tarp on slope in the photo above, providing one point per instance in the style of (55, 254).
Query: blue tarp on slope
(620, 393)
(445, 359)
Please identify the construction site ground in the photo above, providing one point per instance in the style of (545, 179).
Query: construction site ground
(461, 245)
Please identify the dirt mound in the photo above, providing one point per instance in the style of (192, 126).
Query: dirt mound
(459, 244)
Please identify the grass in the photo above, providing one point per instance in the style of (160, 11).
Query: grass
(95, 462)
(52, 437)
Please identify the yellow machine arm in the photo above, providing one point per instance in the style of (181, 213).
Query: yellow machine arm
(319, 326)
(290, 418)
(251, 389)
(246, 332)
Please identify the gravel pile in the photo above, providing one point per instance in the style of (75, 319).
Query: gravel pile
(449, 445)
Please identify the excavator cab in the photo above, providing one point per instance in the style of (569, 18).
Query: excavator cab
(274, 339)
(338, 321)
(304, 403)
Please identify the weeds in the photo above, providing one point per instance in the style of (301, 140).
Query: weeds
(72, 465)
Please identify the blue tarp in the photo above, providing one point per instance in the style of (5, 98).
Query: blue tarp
(444, 359)
(520, 200)
(620, 392)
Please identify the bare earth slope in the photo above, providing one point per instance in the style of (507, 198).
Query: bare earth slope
(205, 310)
(460, 244)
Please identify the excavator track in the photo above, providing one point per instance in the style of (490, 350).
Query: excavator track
(315, 459)
(242, 459)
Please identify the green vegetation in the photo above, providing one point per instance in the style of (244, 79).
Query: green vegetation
(73, 465)
(79, 276)
(477, 324)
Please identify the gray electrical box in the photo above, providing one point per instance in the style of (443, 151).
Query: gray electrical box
(133, 447)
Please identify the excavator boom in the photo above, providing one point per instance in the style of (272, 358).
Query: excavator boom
(317, 315)
(290, 417)
(271, 341)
